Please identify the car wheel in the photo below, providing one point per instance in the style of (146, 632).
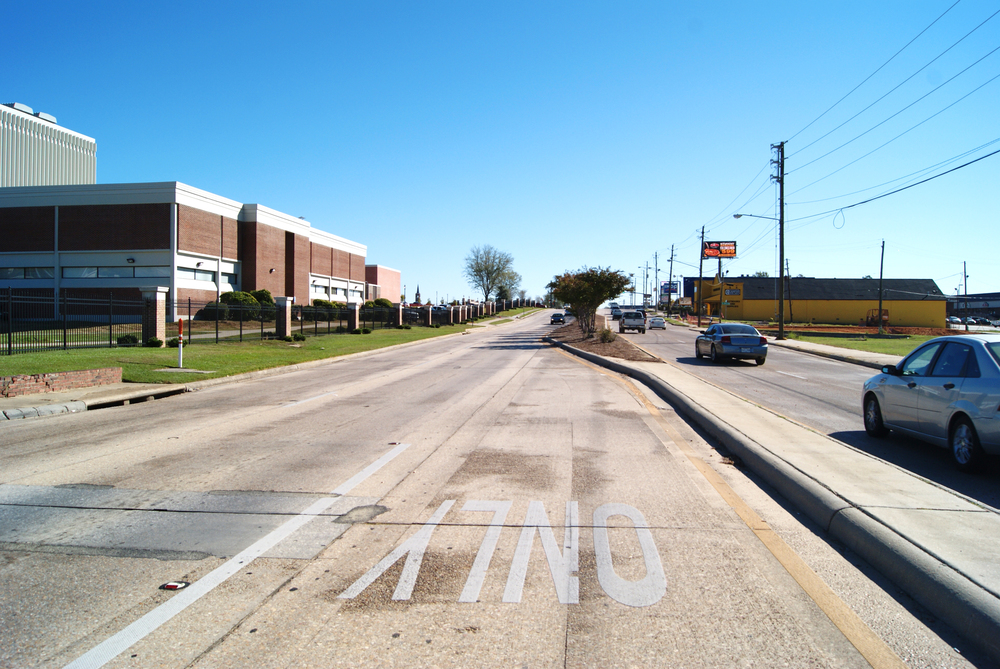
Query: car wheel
(760, 361)
(963, 442)
(714, 355)
(642, 331)
(873, 418)
(697, 352)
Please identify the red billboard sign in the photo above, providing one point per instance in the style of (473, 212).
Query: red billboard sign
(718, 250)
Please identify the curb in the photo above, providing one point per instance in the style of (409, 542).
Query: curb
(972, 612)
(828, 354)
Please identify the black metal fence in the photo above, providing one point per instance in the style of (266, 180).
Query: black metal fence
(31, 322)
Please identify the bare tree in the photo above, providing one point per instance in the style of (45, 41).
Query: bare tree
(487, 269)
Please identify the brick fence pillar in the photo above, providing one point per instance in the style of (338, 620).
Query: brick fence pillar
(353, 316)
(451, 315)
(398, 313)
(154, 313)
(283, 316)
(429, 319)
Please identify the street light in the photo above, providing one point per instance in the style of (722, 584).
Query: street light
(781, 268)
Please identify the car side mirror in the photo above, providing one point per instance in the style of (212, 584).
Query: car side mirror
(890, 370)
(704, 332)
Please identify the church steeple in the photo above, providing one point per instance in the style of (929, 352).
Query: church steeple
(417, 297)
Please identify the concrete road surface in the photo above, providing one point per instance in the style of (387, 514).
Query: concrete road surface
(481, 500)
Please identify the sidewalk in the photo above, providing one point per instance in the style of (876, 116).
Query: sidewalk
(938, 546)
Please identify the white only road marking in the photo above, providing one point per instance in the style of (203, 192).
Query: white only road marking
(126, 638)
(647, 590)
(474, 584)
(561, 565)
(795, 375)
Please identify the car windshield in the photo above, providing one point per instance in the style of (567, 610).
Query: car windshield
(738, 328)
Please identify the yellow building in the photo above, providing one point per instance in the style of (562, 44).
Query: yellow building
(909, 302)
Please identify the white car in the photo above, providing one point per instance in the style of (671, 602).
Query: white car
(656, 322)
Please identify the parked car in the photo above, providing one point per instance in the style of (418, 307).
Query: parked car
(557, 319)
(657, 323)
(731, 340)
(954, 320)
(946, 392)
(616, 313)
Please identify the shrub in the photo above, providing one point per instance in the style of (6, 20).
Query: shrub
(437, 325)
(401, 327)
(266, 300)
(356, 331)
(383, 302)
(607, 336)
(366, 331)
(287, 338)
(407, 327)
(153, 342)
(128, 340)
(368, 304)
(340, 329)
(213, 311)
(298, 336)
(173, 342)
(242, 305)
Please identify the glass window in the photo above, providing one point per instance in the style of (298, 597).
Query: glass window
(195, 274)
(229, 278)
(79, 272)
(11, 272)
(152, 272)
(918, 363)
(994, 349)
(952, 360)
(39, 273)
(115, 272)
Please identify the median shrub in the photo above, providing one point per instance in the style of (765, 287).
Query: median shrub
(153, 342)
(128, 340)
(607, 336)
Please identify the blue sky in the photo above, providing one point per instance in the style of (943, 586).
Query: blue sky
(565, 133)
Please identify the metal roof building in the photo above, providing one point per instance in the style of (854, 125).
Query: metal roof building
(35, 151)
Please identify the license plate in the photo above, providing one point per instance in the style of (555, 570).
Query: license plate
(744, 350)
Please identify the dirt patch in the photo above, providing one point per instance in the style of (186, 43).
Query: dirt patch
(619, 348)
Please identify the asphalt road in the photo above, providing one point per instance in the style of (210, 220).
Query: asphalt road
(823, 394)
(479, 500)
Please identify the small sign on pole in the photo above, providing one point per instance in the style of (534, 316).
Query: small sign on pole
(180, 343)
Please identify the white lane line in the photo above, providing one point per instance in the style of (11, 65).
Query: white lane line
(110, 648)
(795, 375)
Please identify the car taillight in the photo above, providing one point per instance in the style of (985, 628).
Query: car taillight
(727, 340)
(763, 341)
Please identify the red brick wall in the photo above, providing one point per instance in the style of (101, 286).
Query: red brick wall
(114, 227)
(230, 238)
(28, 229)
(297, 267)
(341, 264)
(199, 298)
(263, 249)
(322, 260)
(30, 384)
(357, 268)
(198, 231)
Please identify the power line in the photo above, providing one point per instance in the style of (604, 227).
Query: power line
(897, 86)
(873, 73)
(930, 92)
(898, 190)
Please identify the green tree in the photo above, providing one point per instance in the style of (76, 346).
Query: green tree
(487, 268)
(760, 275)
(584, 291)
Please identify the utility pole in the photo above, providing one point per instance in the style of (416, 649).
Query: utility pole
(645, 284)
(670, 281)
(701, 259)
(881, 266)
(965, 289)
(780, 178)
(656, 281)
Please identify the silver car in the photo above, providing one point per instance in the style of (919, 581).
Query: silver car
(946, 392)
(731, 340)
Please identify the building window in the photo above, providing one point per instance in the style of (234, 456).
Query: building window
(229, 278)
(39, 273)
(79, 272)
(11, 272)
(152, 272)
(195, 274)
(115, 272)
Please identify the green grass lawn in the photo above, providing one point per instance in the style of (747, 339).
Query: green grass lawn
(223, 359)
(887, 346)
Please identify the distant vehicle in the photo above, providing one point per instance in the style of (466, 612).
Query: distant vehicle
(954, 319)
(613, 305)
(616, 313)
(946, 392)
(557, 319)
(632, 320)
(731, 340)
(983, 321)
(969, 320)
(657, 323)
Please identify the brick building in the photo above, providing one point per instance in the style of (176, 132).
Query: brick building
(122, 237)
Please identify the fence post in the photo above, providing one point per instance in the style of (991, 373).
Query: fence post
(111, 313)
(353, 316)
(154, 316)
(65, 324)
(10, 321)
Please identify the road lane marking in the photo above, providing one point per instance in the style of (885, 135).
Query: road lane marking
(477, 576)
(561, 564)
(647, 590)
(790, 374)
(113, 646)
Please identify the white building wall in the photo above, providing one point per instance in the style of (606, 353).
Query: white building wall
(36, 152)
